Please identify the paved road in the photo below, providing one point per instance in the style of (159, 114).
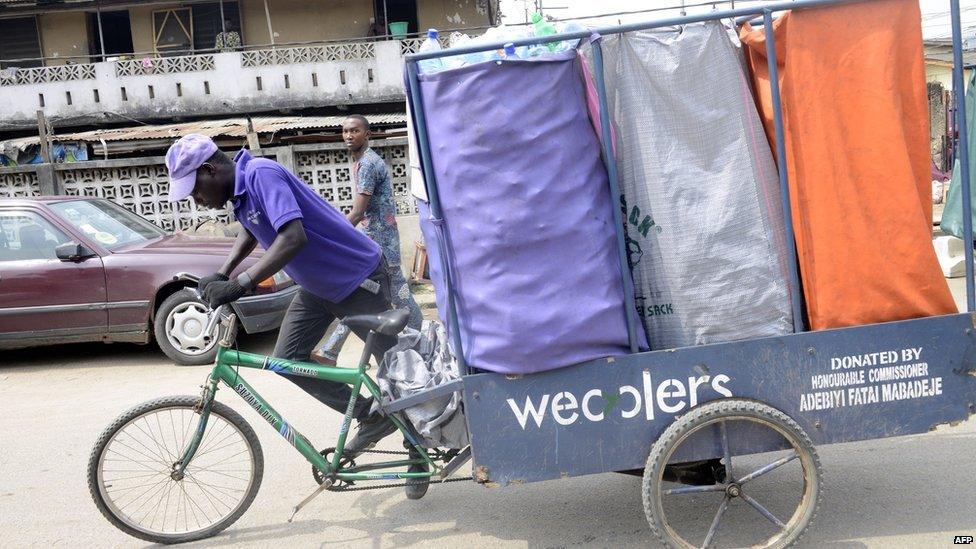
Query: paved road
(905, 492)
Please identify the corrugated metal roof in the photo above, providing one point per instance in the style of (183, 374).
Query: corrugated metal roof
(940, 49)
(968, 58)
(229, 127)
(46, 4)
(944, 55)
(49, 3)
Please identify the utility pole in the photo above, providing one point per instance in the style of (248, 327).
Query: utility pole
(252, 136)
(47, 178)
(44, 136)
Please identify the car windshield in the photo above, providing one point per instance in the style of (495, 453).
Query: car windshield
(111, 225)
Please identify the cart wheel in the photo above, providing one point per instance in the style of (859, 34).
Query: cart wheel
(766, 500)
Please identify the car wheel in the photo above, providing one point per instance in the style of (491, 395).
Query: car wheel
(179, 326)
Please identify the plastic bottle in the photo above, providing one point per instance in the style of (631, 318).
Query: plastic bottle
(544, 28)
(507, 52)
(537, 50)
(457, 40)
(430, 44)
(572, 26)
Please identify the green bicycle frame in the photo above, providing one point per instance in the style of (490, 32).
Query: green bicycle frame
(226, 370)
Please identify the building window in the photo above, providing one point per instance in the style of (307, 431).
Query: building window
(20, 45)
(173, 31)
(395, 11)
(207, 26)
(116, 33)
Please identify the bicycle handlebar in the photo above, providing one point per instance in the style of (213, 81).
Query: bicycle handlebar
(217, 314)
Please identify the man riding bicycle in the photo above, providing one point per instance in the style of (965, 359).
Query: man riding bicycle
(340, 270)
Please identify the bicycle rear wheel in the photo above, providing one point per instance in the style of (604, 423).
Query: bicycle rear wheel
(130, 471)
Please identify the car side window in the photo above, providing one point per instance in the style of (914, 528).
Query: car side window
(27, 236)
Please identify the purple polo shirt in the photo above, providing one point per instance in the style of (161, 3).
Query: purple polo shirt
(337, 257)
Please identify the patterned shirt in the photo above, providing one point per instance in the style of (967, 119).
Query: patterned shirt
(372, 177)
(227, 41)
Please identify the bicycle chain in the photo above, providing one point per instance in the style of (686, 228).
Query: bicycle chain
(350, 488)
(399, 485)
(387, 452)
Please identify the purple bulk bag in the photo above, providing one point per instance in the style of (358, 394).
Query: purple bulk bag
(527, 224)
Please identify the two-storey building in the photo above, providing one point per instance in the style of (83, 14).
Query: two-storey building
(122, 79)
(87, 62)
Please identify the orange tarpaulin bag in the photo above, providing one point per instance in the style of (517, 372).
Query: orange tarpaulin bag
(855, 113)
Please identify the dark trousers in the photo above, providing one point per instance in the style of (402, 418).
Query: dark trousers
(307, 319)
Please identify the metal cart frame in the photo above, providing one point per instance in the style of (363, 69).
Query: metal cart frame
(612, 414)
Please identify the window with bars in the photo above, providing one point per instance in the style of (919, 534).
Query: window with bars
(19, 40)
(173, 31)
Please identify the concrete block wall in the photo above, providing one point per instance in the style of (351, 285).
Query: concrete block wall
(141, 185)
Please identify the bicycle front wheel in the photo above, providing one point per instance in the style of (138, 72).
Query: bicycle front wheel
(131, 479)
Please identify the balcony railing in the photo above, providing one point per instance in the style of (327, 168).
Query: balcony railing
(251, 56)
(164, 65)
(250, 79)
(42, 75)
(309, 54)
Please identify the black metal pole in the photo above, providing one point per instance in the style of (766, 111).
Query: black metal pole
(101, 36)
(223, 24)
(267, 15)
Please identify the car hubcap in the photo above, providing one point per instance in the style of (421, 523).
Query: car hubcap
(185, 326)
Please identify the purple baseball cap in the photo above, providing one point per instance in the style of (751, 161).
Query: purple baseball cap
(182, 161)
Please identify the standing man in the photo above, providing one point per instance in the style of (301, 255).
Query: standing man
(341, 272)
(228, 39)
(373, 206)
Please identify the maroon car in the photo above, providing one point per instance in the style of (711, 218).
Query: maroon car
(86, 269)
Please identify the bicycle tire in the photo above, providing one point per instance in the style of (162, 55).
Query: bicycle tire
(732, 409)
(175, 402)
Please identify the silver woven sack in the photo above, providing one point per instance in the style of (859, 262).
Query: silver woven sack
(701, 201)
